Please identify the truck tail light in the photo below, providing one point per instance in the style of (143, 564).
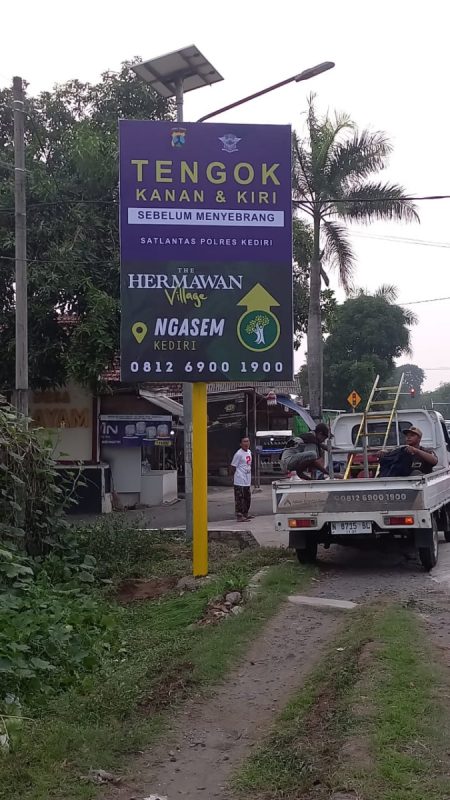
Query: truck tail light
(399, 520)
(302, 523)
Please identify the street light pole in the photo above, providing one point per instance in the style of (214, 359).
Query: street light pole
(21, 386)
(179, 98)
(311, 72)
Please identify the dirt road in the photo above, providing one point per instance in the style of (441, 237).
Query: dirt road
(209, 740)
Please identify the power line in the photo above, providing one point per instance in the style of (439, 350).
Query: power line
(56, 261)
(84, 262)
(110, 261)
(296, 202)
(430, 300)
(61, 203)
(399, 239)
(407, 198)
(7, 166)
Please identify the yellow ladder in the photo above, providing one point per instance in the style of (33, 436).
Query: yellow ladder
(386, 413)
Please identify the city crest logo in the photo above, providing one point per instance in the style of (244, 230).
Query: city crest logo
(229, 142)
(178, 137)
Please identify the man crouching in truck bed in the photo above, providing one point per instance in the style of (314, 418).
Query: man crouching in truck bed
(411, 459)
(305, 452)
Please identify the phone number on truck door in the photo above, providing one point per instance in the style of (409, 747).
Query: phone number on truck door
(378, 497)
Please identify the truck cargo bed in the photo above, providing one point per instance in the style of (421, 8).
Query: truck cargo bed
(364, 495)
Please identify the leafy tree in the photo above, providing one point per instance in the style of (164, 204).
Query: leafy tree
(368, 332)
(73, 240)
(332, 183)
(440, 397)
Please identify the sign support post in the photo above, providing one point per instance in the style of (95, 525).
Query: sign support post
(195, 415)
(187, 389)
(200, 479)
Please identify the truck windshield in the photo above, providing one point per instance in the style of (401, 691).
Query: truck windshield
(377, 431)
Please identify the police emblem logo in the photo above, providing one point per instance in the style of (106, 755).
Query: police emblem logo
(178, 137)
(229, 142)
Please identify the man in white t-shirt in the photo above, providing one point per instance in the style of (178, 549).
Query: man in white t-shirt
(241, 467)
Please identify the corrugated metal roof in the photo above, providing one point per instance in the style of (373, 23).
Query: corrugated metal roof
(163, 401)
(292, 386)
(280, 387)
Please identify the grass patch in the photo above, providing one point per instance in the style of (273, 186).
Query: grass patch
(158, 661)
(298, 753)
(410, 717)
(384, 691)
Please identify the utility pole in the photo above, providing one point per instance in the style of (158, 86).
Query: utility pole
(21, 393)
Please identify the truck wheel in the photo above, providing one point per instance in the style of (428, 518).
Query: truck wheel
(308, 554)
(429, 555)
(446, 523)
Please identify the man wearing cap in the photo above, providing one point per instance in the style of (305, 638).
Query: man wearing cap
(305, 452)
(423, 460)
(410, 459)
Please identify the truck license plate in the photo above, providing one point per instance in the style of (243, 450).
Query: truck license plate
(351, 527)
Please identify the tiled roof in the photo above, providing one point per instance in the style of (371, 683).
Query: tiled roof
(68, 320)
(112, 373)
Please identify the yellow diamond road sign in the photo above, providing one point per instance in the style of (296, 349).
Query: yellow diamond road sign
(354, 399)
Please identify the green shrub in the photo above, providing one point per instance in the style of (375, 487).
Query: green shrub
(49, 634)
(128, 551)
(54, 625)
(33, 497)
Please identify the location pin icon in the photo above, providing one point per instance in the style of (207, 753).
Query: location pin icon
(139, 331)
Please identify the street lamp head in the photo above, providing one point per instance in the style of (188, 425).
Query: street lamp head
(313, 71)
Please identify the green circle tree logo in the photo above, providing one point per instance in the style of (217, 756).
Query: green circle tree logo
(258, 330)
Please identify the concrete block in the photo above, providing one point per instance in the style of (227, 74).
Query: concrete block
(321, 602)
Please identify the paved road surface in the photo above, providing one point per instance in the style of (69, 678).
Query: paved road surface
(221, 517)
(220, 507)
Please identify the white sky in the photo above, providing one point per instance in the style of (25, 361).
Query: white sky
(391, 74)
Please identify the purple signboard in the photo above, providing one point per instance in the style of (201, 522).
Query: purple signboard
(206, 252)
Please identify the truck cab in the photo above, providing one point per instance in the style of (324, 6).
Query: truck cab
(435, 434)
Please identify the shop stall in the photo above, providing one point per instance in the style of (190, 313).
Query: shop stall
(140, 450)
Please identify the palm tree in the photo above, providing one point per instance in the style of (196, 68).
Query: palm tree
(331, 183)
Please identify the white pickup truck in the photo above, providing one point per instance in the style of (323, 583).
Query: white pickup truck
(363, 511)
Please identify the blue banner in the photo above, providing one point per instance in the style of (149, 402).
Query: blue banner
(134, 430)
